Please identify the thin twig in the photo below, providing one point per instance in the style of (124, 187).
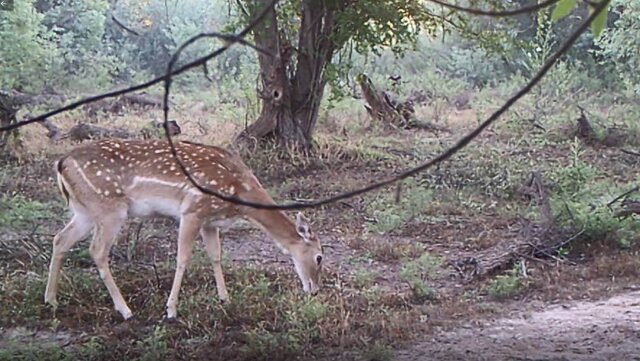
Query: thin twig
(546, 253)
(630, 152)
(519, 11)
(571, 239)
(205, 71)
(120, 24)
(634, 189)
(535, 259)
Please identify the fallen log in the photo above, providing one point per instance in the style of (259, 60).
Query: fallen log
(142, 99)
(629, 208)
(53, 132)
(531, 239)
(24, 99)
(11, 101)
(120, 104)
(155, 129)
(84, 131)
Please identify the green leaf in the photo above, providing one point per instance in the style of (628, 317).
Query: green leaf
(562, 9)
(598, 24)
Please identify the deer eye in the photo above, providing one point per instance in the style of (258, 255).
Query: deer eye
(319, 259)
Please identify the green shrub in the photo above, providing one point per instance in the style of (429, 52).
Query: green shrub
(20, 212)
(582, 197)
(155, 346)
(507, 285)
(618, 45)
(417, 273)
(391, 215)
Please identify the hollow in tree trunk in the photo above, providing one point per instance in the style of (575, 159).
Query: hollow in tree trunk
(292, 87)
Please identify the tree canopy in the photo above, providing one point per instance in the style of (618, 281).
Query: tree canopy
(83, 47)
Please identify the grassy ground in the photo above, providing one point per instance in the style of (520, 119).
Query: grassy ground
(388, 283)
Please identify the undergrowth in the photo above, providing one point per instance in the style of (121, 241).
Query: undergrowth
(582, 200)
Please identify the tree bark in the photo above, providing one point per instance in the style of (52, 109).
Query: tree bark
(291, 93)
(9, 106)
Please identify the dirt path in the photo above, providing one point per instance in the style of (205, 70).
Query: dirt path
(602, 330)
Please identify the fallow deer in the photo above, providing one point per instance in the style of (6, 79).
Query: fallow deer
(106, 182)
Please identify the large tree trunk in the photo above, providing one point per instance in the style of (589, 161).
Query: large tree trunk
(291, 93)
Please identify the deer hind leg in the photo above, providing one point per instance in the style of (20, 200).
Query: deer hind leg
(75, 230)
(189, 226)
(106, 231)
(211, 238)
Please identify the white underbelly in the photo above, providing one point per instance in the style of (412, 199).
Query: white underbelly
(153, 206)
(222, 223)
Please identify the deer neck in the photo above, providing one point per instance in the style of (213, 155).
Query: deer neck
(278, 226)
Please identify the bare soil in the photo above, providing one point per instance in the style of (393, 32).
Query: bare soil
(595, 330)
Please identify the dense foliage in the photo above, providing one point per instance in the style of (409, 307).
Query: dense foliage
(620, 43)
(70, 46)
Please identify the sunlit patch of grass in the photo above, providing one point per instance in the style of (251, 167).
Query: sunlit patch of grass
(363, 277)
(491, 172)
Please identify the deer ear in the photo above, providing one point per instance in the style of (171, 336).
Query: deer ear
(302, 226)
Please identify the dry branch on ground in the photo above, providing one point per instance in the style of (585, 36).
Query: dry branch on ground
(532, 239)
(84, 131)
(629, 208)
(120, 104)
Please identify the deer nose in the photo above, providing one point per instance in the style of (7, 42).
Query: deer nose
(313, 288)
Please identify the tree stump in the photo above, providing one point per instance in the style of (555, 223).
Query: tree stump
(585, 130)
(382, 107)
